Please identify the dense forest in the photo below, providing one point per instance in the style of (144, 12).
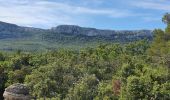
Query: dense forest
(133, 71)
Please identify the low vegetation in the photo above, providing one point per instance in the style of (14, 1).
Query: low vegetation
(136, 70)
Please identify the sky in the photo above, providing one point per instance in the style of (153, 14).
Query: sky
(101, 14)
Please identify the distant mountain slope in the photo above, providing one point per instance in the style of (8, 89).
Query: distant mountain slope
(13, 31)
(72, 29)
(89, 34)
(14, 37)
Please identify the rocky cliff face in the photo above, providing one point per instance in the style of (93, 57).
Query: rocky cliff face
(72, 29)
(97, 34)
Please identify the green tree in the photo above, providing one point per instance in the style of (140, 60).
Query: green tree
(84, 89)
(41, 83)
(105, 91)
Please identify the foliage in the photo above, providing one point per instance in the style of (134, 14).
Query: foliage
(135, 70)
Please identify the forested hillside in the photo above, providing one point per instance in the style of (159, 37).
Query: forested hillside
(136, 70)
(13, 37)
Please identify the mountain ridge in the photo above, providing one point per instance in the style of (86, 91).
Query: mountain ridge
(14, 37)
(65, 25)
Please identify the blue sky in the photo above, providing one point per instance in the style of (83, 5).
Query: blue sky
(103, 14)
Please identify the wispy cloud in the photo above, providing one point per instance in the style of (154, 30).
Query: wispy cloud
(91, 13)
(153, 4)
(69, 9)
(151, 19)
(30, 13)
(48, 13)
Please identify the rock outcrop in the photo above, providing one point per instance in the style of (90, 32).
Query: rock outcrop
(17, 92)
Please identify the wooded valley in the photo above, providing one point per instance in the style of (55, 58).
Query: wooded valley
(135, 70)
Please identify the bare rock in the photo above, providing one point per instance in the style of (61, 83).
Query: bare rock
(17, 92)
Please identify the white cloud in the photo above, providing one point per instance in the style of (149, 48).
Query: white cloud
(43, 12)
(31, 14)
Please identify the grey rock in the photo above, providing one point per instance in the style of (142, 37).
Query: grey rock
(17, 92)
